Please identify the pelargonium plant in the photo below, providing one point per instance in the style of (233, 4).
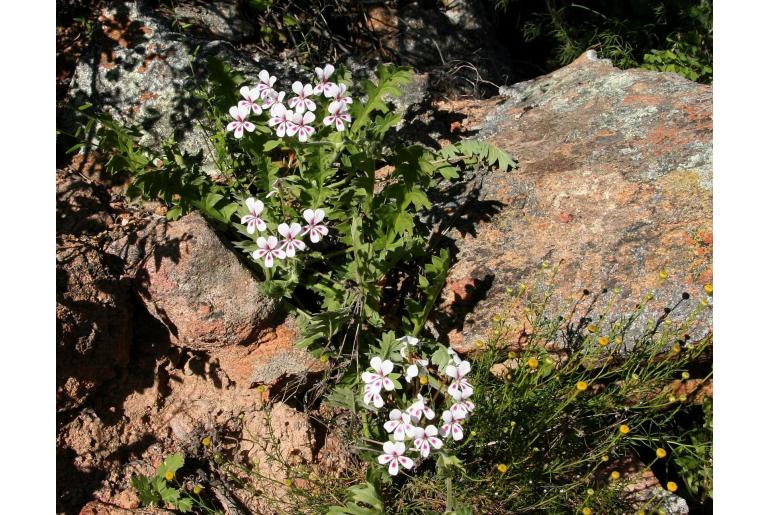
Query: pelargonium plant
(413, 390)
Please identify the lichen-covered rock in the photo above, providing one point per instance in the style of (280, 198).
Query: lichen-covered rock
(215, 18)
(93, 322)
(614, 184)
(199, 288)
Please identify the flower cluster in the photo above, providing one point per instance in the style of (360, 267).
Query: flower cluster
(297, 116)
(414, 423)
(270, 248)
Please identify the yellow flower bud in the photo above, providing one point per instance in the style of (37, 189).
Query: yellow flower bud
(587, 511)
(660, 452)
(206, 441)
(624, 429)
(685, 375)
(581, 386)
(671, 486)
(709, 289)
(502, 468)
(615, 475)
(533, 362)
(197, 489)
(663, 275)
(605, 458)
(592, 328)
(324, 358)
(604, 341)
(423, 379)
(169, 475)
(676, 348)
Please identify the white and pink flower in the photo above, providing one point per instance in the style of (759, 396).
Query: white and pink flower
(302, 127)
(400, 425)
(250, 100)
(290, 244)
(394, 456)
(419, 409)
(252, 220)
(379, 378)
(338, 115)
(271, 98)
(460, 386)
(338, 94)
(282, 119)
(418, 368)
(426, 438)
(451, 425)
(265, 84)
(302, 101)
(372, 395)
(323, 75)
(462, 407)
(240, 122)
(314, 226)
(269, 250)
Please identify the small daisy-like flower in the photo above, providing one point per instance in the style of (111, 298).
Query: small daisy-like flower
(671, 486)
(624, 429)
(407, 341)
(338, 114)
(451, 425)
(418, 409)
(581, 386)
(502, 468)
(271, 98)
(266, 82)
(372, 395)
(240, 122)
(338, 94)
(379, 378)
(393, 457)
(460, 386)
(424, 439)
(269, 250)
(463, 407)
(314, 227)
(283, 120)
(302, 102)
(660, 452)
(302, 127)
(604, 341)
(323, 75)
(418, 368)
(291, 243)
(615, 475)
(252, 220)
(532, 362)
(250, 100)
(400, 425)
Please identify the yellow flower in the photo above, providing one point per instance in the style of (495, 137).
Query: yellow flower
(511, 355)
(502, 468)
(206, 441)
(660, 452)
(671, 486)
(324, 358)
(671, 398)
(618, 340)
(676, 348)
(592, 328)
(709, 289)
(587, 511)
(533, 362)
(605, 458)
(423, 379)
(581, 386)
(642, 512)
(604, 341)
(169, 475)
(197, 489)
(590, 491)
(479, 344)
(615, 475)
(685, 375)
(663, 275)
(473, 433)
(624, 429)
